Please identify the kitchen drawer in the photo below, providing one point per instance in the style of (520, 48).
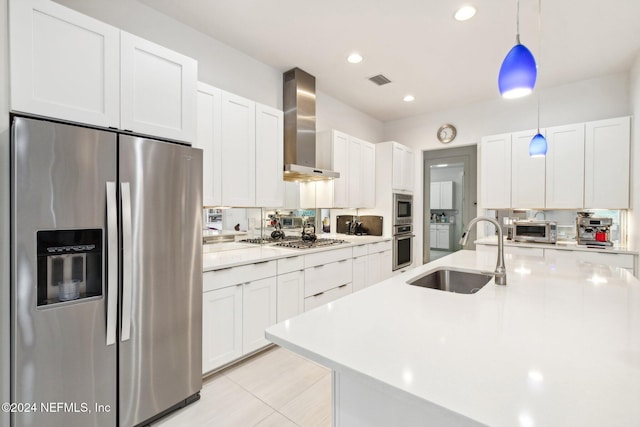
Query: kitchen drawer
(379, 247)
(321, 278)
(289, 264)
(325, 257)
(328, 296)
(218, 279)
(360, 250)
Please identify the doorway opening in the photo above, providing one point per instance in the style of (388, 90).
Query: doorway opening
(450, 199)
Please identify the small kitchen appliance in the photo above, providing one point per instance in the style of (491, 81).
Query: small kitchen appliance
(533, 231)
(593, 232)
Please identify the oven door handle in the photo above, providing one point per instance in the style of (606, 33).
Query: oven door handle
(403, 236)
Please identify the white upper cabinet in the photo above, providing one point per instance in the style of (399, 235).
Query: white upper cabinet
(368, 175)
(527, 173)
(606, 178)
(355, 160)
(495, 171)
(64, 64)
(565, 167)
(402, 175)
(209, 139)
(269, 157)
(238, 151)
(441, 196)
(340, 163)
(69, 66)
(158, 90)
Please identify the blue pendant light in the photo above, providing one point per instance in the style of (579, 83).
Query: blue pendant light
(518, 71)
(538, 144)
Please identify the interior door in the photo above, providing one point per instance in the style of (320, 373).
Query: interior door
(160, 346)
(59, 340)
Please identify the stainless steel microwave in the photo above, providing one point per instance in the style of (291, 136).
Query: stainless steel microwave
(535, 231)
(402, 209)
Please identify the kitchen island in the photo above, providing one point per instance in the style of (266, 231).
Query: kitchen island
(558, 346)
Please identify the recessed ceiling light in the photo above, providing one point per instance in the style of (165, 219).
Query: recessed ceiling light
(354, 58)
(408, 98)
(464, 13)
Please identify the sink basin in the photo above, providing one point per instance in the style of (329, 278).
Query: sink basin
(451, 280)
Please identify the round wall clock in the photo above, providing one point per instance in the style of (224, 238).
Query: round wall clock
(446, 133)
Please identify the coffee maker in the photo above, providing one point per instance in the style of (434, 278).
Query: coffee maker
(594, 232)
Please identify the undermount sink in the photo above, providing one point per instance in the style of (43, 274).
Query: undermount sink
(451, 280)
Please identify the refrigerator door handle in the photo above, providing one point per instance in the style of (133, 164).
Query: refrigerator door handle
(112, 261)
(127, 262)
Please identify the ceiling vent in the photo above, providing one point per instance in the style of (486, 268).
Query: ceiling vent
(380, 80)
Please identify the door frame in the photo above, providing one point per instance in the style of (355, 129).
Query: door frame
(468, 156)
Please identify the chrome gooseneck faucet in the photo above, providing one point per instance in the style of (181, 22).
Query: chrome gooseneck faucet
(501, 272)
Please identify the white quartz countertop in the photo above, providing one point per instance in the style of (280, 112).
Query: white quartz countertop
(558, 346)
(569, 245)
(223, 255)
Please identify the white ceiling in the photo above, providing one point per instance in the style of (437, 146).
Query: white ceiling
(418, 45)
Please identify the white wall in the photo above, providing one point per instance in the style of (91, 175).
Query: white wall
(634, 213)
(594, 99)
(333, 114)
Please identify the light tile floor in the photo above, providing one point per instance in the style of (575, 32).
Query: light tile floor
(276, 388)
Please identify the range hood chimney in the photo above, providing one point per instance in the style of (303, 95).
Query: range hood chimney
(299, 102)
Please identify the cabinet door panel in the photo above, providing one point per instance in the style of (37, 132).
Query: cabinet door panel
(565, 167)
(495, 171)
(158, 90)
(238, 151)
(446, 195)
(606, 182)
(340, 158)
(258, 312)
(527, 174)
(290, 295)
(434, 197)
(269, 157)
(208, 139)
(222, 327)
(361, 276)
(355, 173)
(368, 176)
(64, 64)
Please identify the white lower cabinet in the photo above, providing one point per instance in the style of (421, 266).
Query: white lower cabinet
(239, 303)
(440, 235)
(290, 295)
(258, 312)
(360, 273)
(328, 276)
(327, 296)
(221, 327)
(379, 262)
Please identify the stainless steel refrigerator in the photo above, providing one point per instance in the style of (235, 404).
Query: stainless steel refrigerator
(106, 277)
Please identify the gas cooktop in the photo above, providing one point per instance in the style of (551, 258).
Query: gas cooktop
(269, 240)
(303, 244)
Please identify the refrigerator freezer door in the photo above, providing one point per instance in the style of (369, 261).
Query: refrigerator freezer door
(59, 349)
(160, 350)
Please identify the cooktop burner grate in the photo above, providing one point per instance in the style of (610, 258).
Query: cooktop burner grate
(269, 240)
(318, 243)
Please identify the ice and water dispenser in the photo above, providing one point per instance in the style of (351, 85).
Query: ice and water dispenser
(69, 265)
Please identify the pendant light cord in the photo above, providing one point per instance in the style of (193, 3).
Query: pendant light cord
(517, 21)
(539, 52)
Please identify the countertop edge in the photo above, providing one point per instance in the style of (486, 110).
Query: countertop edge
(285, 252)
(563, 247)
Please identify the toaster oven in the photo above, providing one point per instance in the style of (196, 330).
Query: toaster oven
(535, 231)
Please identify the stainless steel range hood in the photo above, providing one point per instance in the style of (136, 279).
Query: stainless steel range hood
(299, 102)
